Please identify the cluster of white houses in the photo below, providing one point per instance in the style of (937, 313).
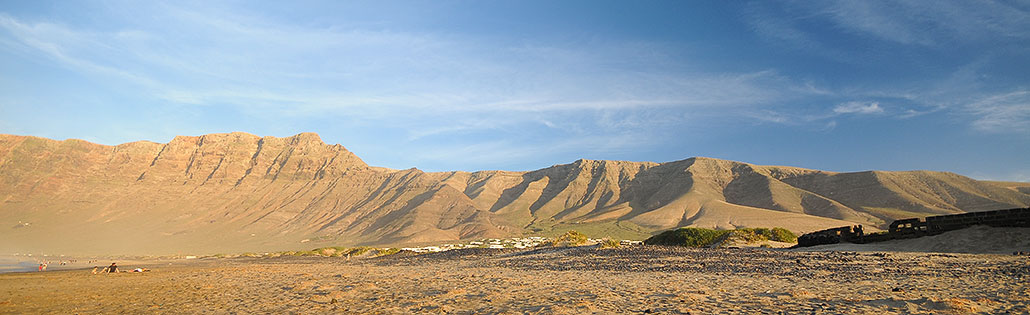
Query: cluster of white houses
(515, 242)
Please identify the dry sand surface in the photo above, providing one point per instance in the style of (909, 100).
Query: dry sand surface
(640, 279)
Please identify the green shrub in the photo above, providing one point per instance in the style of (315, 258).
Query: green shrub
(752, 234)
(358, 251)
(301, 253)
(332, 251)
(689, 237)
(339, 251)
(325, 251)
(699, 237)
(570, 238)
(386, 251)
(610, 243)
(784, 235)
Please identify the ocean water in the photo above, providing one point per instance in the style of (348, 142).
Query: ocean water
(22, 263)
(19, 264)
(11, 263)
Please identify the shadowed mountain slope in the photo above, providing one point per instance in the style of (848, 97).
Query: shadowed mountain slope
(239, 192)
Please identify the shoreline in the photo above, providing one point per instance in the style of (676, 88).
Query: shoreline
(9, 265)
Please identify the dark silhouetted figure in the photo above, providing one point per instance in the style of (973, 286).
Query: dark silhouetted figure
(112, 268)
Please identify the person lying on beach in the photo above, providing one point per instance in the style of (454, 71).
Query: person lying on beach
(112, 268)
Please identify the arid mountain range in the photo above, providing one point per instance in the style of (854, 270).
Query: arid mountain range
(239, 192)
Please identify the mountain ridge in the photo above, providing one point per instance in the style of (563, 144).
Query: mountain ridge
(241, 192)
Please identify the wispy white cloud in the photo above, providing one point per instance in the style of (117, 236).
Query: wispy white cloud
(480, 155)
(988, 28)
(1010, 174)
(965, 96)
(1003, 113)
(909, 22)
(884, 20)
(427, 84)
(855, 107)
(376, 68)
(820, 118)
(57, 42)
(910, 113)
(771, 116)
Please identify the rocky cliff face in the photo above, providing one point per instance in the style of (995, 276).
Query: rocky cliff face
(216, 192)
(239, 192)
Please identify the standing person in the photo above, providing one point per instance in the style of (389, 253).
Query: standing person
(112, 268)
(40, 267)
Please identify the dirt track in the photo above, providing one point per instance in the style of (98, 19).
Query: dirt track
(566, 280)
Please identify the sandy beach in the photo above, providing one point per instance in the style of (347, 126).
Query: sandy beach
(639, 279)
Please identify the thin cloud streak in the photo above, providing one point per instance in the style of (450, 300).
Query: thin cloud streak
(858, 108)
(1009, 112)
(262, 92)
(907, 22)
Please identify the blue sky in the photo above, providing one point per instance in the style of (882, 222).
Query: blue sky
(522, 85)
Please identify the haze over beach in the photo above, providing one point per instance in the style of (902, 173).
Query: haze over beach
(515, 157)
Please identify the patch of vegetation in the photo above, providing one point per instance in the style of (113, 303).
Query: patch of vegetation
(337, 251)
(301, 253)
(764, 234)
(700, 237)
(386, 251)
(784, 235)
(334, 251)
(358, 251)
(689, 237)
(623, 230)
(570, 238)
(610, 243)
